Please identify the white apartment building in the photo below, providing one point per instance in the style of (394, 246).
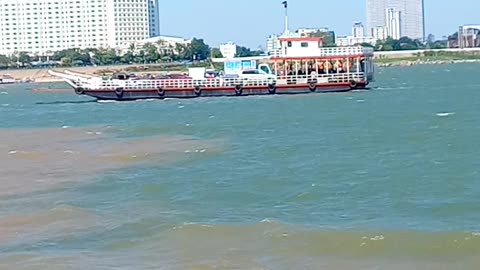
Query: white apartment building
(358, 30)
(166, 43)
(127, 21)
(379, 33)
(351, 41)
(273, 45)
(357, 37)
(308, 31)
(41, 27)
(393, 23)
(228, 50)
(412, 23)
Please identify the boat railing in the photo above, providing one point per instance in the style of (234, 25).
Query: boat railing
(225, 82)
(334, 51)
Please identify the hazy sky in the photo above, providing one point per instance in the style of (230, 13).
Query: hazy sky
(249, 22)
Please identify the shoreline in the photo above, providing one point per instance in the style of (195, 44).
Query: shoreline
(407, 63)
(42, 76)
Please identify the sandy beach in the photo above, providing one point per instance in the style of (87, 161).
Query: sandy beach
(42, 76)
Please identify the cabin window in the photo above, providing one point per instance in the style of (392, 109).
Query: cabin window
(289, 44)
(304, 44)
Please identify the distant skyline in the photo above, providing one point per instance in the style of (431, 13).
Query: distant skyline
(249, 22)
(401, 17)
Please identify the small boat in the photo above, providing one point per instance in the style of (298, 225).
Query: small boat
(302, 65)
(6, 79)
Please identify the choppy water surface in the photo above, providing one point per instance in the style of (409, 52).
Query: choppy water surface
(379, 179)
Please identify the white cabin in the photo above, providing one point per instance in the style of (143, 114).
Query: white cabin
(308, 47)
(300, 46)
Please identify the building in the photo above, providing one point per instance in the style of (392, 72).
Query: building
(228, 50)
(380, 33)
(351, 41)
(164, 43)
(468, 37)
(357, 37)
(127, 21)
(358, 30)
(412, 19)
(154, 17)
(40, 27)
(393, 23)
(305, 32)
(273, 45)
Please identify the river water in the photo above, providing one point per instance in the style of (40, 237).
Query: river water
(380, 179)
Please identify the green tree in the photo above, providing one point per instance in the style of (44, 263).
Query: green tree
(4, 61)
(182, 52)
(364, 44)
(24, 58)
(66, 61)
(247, 52)
(216, 53)
(75, 55)
(127, 58)
(439, 44)
(327, 37)
(106, 57)
(199, 50)
(140, 57)
(151, 53)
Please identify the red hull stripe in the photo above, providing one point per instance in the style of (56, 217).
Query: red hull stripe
(232, 88)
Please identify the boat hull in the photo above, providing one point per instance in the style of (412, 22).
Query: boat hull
(135, 94)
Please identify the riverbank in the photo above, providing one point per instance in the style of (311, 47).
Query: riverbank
(426, 57)
(410, 62)
(42, 75)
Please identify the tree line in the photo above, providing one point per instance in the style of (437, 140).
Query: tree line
(196, 50)
(150, 53)
(390, 44)
(405, 43)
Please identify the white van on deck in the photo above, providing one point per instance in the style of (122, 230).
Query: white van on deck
(256, 75)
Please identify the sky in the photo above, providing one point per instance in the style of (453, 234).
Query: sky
(250, 22)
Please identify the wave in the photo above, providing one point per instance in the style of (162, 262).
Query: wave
(273, 245)
(314, 241)
(445, 114)
(268, 244)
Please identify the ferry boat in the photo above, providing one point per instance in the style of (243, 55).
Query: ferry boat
(301, 65)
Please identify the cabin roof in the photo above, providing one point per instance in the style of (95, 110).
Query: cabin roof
(318, 39)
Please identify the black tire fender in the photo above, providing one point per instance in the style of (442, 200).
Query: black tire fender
(161, 91)
(353, 84)
(119, 92)
(197, 90)
(79, 91)
(272, 88)
(312, 86)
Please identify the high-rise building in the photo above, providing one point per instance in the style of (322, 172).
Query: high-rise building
(41, 27)
(393, 23)
(358, 30)
(154, 17)
(379, 33)
(412, 23)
